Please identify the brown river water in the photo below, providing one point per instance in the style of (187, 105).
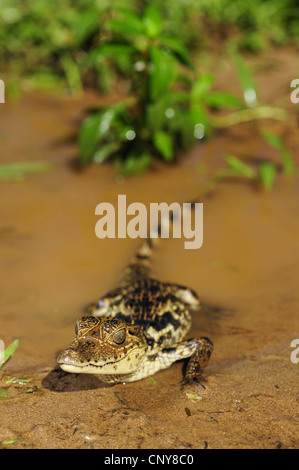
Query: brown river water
(246, 275)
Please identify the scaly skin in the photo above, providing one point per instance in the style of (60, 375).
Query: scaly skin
(137, 329)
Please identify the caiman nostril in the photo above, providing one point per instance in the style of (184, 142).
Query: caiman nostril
(67, 357)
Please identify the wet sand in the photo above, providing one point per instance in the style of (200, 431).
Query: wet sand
(246, 275)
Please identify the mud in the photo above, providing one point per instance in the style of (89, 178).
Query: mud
(246, 274)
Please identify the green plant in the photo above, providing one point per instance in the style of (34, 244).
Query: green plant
(264, 174)
(276, 142)
(45, 44)
(8, 352)
(259, 22)
(167, 105)
(266, 171)
(17, 171)
(252, 110)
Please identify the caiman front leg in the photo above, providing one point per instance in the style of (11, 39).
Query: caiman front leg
(199, 351)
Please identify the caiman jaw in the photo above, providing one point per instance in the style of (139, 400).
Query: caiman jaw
(124, 365)
(104, 346)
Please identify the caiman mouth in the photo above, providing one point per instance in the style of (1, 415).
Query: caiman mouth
(70, 364)
(82, 366)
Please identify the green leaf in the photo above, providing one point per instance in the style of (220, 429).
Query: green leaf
(105, 151)
(10, 441)
(113, 50)
(221, 99)
(178, 49)
(223, 173)
(162, 73)
(154, 381)
(45, 79)
(16, 380)
(245, 77)
(152, 21)
(287, 162)
(89, 136)
(276, 142)
(200, 87)
(184, 125)
(72, 73)
(133, 164)
(180, 97)
(240, 168)
(86, 24)
(163, 143)
(92, 131)
(155, 114)
(3, 393)
(198, 115)
(267, 174)
(17, 171)
(8, 352)
(272, 139)
(129, 24)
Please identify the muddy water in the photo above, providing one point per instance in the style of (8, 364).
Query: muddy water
(52, 264)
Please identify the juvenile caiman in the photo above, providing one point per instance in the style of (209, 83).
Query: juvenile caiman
(137, 329)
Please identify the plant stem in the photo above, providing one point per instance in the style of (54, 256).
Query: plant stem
(260, 112)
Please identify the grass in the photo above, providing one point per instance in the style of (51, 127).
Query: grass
(169, 106)
(4, 357)
(15, 380)
(50, 44)
(264, 175)
(56, 44)
(8, 352)
(148, 48)
(18, 171)
(10, 441)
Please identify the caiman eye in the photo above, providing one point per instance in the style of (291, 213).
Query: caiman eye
(119, 336)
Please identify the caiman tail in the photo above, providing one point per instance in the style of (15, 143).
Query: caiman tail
(140, 263)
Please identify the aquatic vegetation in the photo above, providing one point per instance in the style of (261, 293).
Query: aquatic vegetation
(265, 172)
(277, 143)
(8, 352)
(48, 44)
(43, 43)
(167, 107)
(17, 171)
(145, 51)
(149, 120)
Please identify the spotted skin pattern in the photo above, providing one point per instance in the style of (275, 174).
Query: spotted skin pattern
(138, 329)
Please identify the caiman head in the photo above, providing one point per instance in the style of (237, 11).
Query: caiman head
(104, 346)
